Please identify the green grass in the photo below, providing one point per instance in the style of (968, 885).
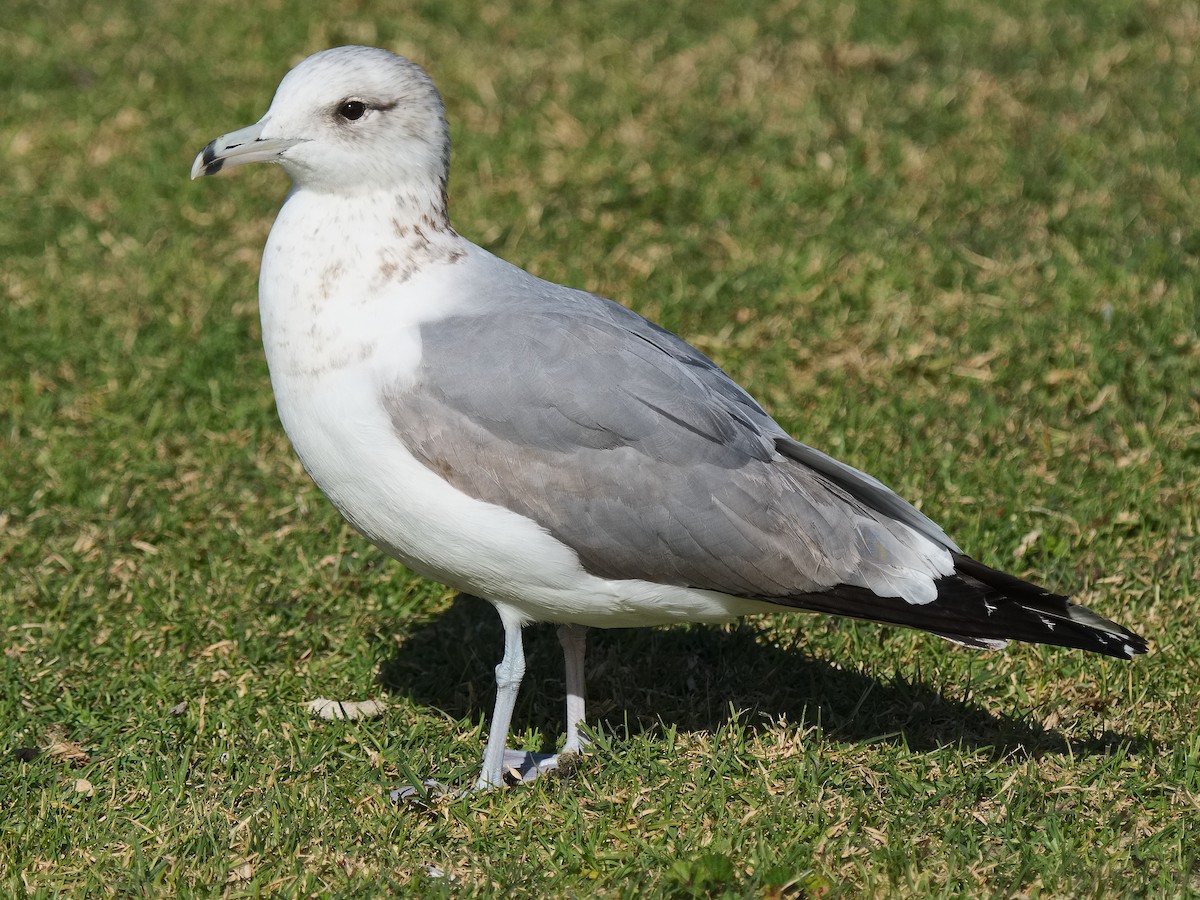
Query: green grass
(952, 242)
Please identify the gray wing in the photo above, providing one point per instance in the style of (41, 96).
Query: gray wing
(636, 450)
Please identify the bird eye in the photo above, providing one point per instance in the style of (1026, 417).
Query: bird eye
(352, 110)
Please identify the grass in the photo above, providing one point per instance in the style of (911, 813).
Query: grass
(953, 242)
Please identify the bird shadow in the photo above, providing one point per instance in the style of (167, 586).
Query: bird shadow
(698, 678)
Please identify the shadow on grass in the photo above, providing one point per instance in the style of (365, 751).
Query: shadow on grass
(690, 677)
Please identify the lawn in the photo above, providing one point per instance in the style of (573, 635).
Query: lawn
(951, 242)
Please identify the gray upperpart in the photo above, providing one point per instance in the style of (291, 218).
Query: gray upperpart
(638, 452)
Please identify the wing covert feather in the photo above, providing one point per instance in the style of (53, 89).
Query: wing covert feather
(637, 451)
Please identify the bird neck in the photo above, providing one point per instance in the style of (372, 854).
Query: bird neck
(418, 209)
(402, 220)
(355, 248)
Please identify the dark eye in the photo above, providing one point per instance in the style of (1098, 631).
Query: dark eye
(352, 110)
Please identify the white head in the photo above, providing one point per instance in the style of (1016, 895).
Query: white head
(348, 120)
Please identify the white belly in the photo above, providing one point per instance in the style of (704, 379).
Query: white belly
(348, 445)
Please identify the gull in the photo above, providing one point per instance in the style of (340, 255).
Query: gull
(545, 448)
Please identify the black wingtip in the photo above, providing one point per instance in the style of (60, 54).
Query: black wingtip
(1059, 620)
(982, 607)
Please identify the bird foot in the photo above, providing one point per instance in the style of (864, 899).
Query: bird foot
(429, 790)
(520, 767)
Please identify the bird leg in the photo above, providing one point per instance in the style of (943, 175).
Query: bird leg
(523, 765)
(509, 672)
(574, 643)
(497, 759)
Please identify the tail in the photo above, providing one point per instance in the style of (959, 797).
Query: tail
(983, 607)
